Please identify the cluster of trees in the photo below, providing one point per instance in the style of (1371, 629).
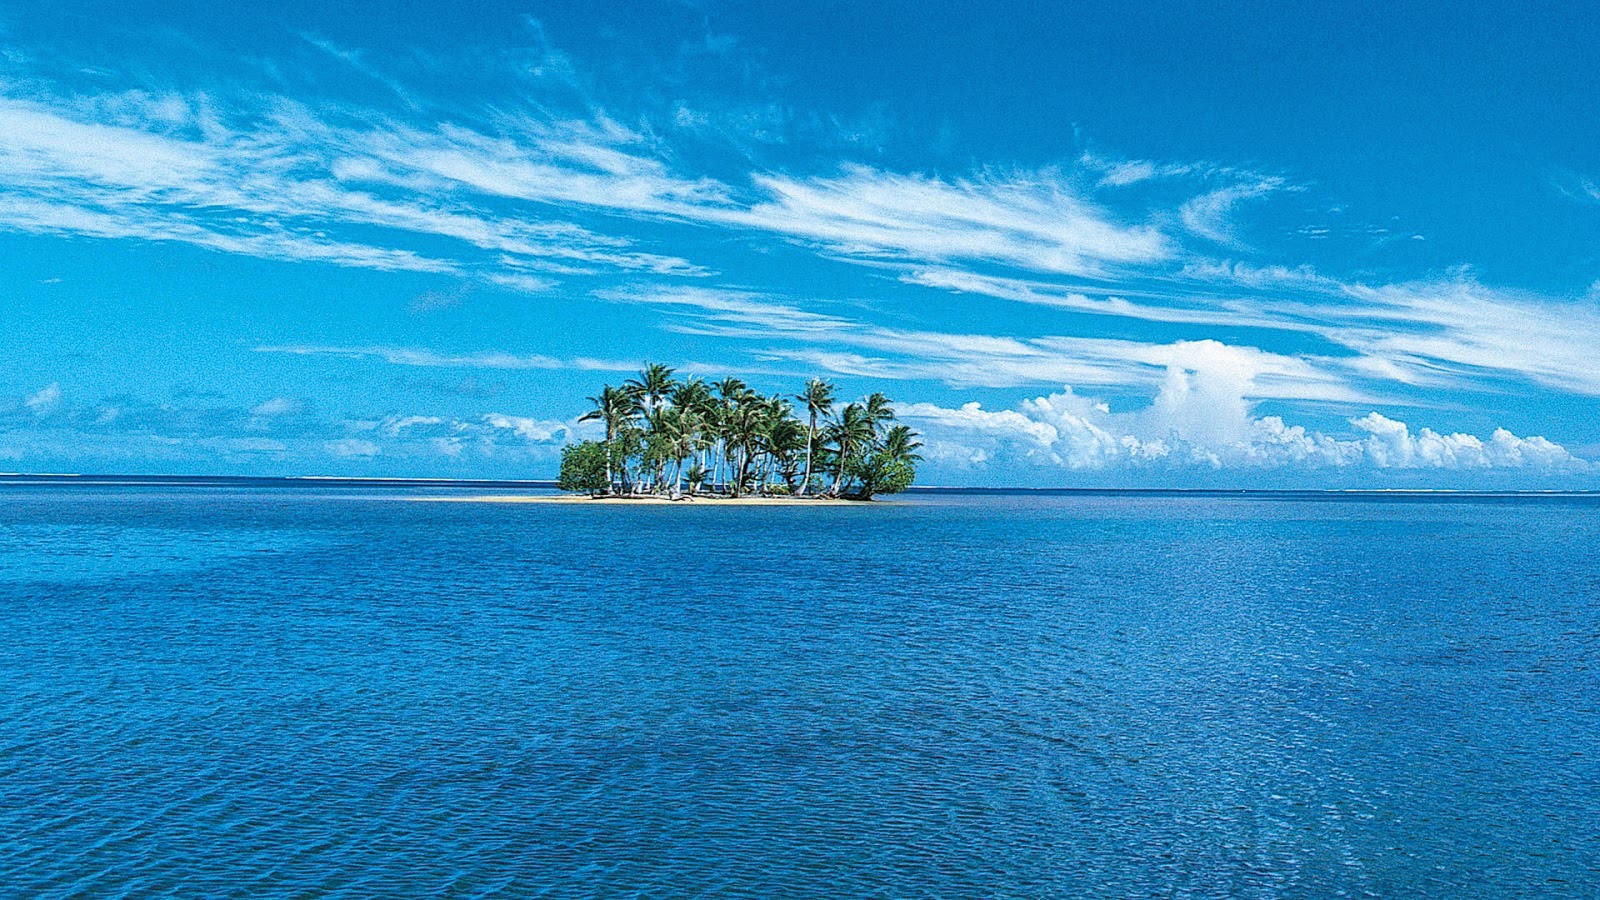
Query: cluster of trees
(673, 437)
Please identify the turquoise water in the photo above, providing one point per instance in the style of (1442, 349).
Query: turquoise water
(336, 693)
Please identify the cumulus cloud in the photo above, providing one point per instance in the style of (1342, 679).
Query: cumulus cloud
(1076, 433)
(45, 430)
(1063, 430)
(536, 431)
(1391, 444)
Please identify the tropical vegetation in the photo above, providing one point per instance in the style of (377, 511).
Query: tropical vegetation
(681, 438)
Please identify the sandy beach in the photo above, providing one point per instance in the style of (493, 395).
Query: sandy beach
(630, 501)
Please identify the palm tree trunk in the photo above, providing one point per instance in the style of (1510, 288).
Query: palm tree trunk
(838, 475)
(811, 440)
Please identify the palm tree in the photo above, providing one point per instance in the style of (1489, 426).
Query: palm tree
(697, 477)
(678, 429)
(669, 440)
(818, 398)
(652, 386)
(730, 392)
(775, 436)
(614, 407)
(878, 410)
(741, 427)
(890, 467)
(785, 438)
(901, 443)
(851, 434)
(632, 441)
(691, 394)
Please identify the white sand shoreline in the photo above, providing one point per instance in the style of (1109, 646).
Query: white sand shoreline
(570, 499)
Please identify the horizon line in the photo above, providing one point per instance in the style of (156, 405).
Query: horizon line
(198, 480)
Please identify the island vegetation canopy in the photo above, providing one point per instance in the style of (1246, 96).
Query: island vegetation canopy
(687, 438)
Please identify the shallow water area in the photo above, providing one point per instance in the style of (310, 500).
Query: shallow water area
(327, 691)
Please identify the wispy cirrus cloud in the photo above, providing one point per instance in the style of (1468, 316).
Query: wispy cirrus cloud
(1211, 215)
(1451, 331)
(270, 178)
(1150, 303)
(1033, 220)
(421, 357)
(849, 346)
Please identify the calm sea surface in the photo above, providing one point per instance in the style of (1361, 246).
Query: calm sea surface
(327, 692)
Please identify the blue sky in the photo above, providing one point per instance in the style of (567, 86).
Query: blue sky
(1269, 245)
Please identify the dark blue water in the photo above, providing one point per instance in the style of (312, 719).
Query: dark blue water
(335, 693)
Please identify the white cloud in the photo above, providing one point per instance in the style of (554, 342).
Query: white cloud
(394, 425)
(1134, 171)
(851, 347)
(589, 163)
(1007, 424)
(1210, 215)
(269, 177)
(353, 447)
(1032, 220)
(275, 176)
(1448, 332)
(1261, 277)
(1198, 310)
(1390, 443)
(1117, 173)
(538, 431)
(1073, 432)
(257, 445)
(273, 156)
(1203, 415)
(201, 430)
(1453, 329)
(491, 359)
(45, 400)
(277, 406)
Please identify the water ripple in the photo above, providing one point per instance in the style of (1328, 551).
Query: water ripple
(352, 697)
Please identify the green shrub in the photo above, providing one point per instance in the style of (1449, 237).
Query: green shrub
(583, 468)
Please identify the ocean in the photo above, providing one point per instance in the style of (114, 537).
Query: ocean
(328, 690)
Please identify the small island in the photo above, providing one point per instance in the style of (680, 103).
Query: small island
(681, 439)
